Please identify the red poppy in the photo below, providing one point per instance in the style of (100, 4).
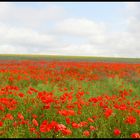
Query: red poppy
(71, 112)
(123, 107)
(86, 133)
(21, 95)
(1, 124)
(15, 124)
(66, 112)
(44, 127)
(68, 120)
(95, 117)
(63, 112)
(32, 129)
(2, 108)
(90, 120)
(66, 132)
(53, 124)
(9, 116)
(92, 128)
(135, 135)
(20, 116)
(117, 132)
(60, 127)
(108, 113)
(82, 124)
(75, 125)
(47, 106)
(34, 116)
(35, 122)
(137, 111)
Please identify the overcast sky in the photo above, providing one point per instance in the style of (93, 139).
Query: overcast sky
(70, 28)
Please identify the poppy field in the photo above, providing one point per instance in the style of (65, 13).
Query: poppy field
(69, 99)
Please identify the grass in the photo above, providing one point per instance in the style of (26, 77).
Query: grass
(67, 58)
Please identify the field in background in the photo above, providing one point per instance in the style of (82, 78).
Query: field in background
(69, 97)
(67, 58)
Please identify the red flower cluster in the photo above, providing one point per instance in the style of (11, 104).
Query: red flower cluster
(130, 120)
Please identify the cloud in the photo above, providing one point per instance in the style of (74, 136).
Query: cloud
(23, 40)
(23, 36)
(83, 28)
(133, 18)
(4, 9)
(100, 38)
(10, 49)
(20, 28)
(31, 17)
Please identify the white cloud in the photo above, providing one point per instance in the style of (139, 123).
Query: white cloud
(24, 40)
(133, 18)
(130, 5)
(100, 39)
(19, 31)
(82, 27)
(29, 17)
(4, 9)
(23, 36)
(10, 49)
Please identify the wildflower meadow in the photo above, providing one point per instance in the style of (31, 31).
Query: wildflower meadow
(69, 99)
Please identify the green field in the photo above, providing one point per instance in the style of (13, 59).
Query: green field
(67, 58)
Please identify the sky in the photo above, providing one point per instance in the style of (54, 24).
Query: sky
(110, 29)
